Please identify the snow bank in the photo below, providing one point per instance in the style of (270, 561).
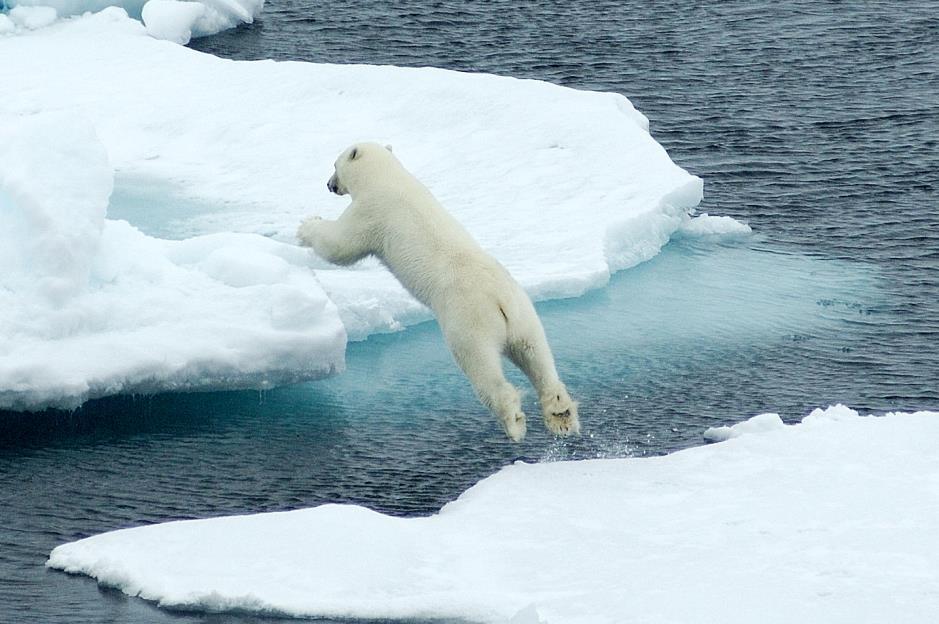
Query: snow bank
(168, 19)
(832, 520)
(563, 186)
(91, 306)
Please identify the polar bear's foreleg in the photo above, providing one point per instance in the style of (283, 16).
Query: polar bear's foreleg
(341, 241)
(532, 355)
(481, 361)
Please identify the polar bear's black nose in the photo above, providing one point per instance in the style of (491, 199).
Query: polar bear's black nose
(329, 186)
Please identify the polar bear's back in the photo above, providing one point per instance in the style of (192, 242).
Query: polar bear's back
(427, 249)
(434, 257)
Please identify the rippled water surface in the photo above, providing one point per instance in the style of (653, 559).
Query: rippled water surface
(816, 123)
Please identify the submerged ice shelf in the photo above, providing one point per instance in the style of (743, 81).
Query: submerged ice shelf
(834, 519)
(565, 187)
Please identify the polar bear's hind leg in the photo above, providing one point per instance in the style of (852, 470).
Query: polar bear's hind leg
(482, 364)
(533, 356)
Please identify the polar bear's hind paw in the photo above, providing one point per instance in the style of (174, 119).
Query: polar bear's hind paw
(515, 426)
(560, 415)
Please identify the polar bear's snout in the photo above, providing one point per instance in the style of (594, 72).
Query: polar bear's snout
(333, 185)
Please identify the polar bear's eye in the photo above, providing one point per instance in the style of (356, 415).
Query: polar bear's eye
(354, 153)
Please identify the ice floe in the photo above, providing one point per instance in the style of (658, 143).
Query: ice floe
(174, 20)
(835, 519)
(565, 187)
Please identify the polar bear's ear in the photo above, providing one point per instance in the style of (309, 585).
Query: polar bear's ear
(354, 153)
(388, 147)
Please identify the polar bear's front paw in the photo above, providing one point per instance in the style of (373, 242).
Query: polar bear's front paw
(560, 414)
(307, 231)
(515, 426)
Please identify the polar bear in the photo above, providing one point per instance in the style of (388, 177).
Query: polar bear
(483, 312)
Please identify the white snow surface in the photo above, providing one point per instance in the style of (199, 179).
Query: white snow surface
(563, 186)
(169, 22)
(833, 520)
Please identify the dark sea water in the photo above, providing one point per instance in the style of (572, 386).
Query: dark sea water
(816, 123)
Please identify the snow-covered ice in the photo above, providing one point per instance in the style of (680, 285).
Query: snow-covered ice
(833, 520)
(174, 20)
(563, 186)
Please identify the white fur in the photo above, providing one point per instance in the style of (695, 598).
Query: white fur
(483, 312)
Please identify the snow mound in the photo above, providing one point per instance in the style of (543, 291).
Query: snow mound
(705, 225)
(92, 306)
(168, 19)
(172, 20)
(757, 424)
(763, 423)
(29, 17)
(835, 519)
(54, 189)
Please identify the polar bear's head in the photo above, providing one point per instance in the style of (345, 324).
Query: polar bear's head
(355, 163)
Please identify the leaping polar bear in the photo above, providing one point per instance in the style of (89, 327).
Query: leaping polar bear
(483, 312)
